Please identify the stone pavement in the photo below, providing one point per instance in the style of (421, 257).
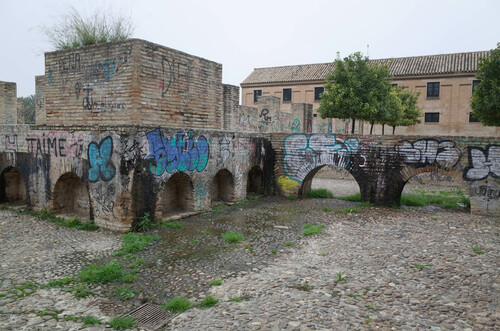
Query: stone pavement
(379, 269)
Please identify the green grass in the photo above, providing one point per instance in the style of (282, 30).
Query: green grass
(320, 193)
(236, 299)
(446, 199)
(206, 233)
(304, 287)
(21, 291)
(48, 215)
(219, 208)
(310, 229)
(215, 282)
(422, 266)
(289, 243)
(339, 278)
(252, 198)
(176, 305)
(123, 323)
(365, 204)
(125, 293)
(241, 203)
(232, 237)
(172, 225)
(90, 320)
(274, 251)
(59, 282)
(327, 209)
(356, 197)
(292, 197)
(101, 274)
(81, 291)
(477, 250)
(134, 242)
(208, 302)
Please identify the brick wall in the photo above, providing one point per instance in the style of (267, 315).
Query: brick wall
(131, 82)
(8, 103)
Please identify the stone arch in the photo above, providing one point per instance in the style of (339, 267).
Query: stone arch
(307, 183)
(223, 186)
(71, 197)
(176, 196)
(255, 181)
(12, 186)
(409, 172)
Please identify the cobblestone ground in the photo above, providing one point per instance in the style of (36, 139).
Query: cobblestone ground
(376, 269)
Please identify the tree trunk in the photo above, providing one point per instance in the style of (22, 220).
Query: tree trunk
(383, 129)
(353, 124)
(393, 130)
(371, 127)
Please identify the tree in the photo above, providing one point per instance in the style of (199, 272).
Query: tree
(406, 113)
(485, 102)
(357, 89)
(74, 30)
(29, 108)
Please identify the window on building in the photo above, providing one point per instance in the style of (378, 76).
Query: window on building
(256, 95)
(472, 119)
(431, 117)
(433, 90)
(317, 93)
(287, 95)
(474, 84)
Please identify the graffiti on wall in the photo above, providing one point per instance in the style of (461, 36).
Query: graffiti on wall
(175, 73)
(103, 198)
(200, 193)
(182, 152)
(55, 143)
(101, 165)
(224, 149)
(488, 191)
(303, 154)
(429, 152)
(483, 163)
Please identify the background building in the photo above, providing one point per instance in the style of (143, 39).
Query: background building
(445, 83)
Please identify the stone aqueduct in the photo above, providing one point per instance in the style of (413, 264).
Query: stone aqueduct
(133, 127)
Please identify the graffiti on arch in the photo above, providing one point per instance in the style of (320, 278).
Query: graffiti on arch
(483, 163)
(303, 154)
(182, 152)
(101, 165)
(425, 152)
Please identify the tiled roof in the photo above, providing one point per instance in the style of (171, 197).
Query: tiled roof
(443, 64)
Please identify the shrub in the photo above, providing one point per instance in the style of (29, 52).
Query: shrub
(320, 193)
(73, 30)
(232, 237)
(176, 305)
(310, 229)
(143, 223)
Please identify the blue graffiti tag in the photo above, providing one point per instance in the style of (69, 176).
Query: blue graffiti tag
(200, 193)
(303, 153)
(180, 152)
(101, 166)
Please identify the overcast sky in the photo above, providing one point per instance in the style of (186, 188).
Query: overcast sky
(243, 35)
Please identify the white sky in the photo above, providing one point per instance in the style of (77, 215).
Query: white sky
(243, 35)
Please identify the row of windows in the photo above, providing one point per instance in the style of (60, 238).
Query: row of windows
(433, 89)
(287, 94)
(434, 118)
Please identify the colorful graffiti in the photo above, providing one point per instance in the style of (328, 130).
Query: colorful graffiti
(200, 193)
(101, 166)
(483, 163)
(180, 152)
(428, 152)
(303, 154)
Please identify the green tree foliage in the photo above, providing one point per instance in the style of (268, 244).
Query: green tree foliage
(485, 101)
(357, 89)
(74, 30)
(29, 108)
(405, 111)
